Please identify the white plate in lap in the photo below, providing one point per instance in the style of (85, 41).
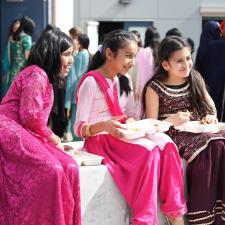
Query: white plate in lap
(199, 127)
(139, 128)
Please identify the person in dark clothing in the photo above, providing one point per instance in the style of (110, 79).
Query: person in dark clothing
(210, 63)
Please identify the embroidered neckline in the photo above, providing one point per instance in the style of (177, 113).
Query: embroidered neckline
(174, 88)
(172, 92)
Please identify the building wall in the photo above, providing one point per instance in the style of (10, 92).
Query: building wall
(185, 15)
(64, 14)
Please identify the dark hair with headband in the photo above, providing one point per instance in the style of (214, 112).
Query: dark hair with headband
(114, 40)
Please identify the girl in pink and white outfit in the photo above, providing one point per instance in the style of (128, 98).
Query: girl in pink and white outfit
(139, 166)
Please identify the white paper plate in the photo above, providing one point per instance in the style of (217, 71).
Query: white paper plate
(221, 126)
(139, 128)
(85, 158)
(133, 133)
(198, 127)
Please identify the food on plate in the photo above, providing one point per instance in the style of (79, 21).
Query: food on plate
(140, 128)
(135, 129)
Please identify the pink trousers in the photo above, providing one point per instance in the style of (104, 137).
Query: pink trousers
(142, 175)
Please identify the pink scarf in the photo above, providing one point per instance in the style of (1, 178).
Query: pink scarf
(110, 96)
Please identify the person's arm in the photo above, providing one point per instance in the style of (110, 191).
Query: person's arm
(32, 112)
(152, 109)
(27, 45)
(211, 102)
(109, 126)
(84, 106)
(210, 118)
(152, 103)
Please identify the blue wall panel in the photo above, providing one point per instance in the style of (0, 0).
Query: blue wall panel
(35, 9)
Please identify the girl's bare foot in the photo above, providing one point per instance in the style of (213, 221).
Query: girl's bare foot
(175, 220)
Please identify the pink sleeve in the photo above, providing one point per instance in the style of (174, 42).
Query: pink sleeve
(32, 111)
(145, 67)
(85, 100)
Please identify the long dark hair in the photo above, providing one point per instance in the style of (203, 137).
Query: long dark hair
(11, 27)
(47, 51)
(27, 26)
(152, 40)
(114, 40)
(167, 47)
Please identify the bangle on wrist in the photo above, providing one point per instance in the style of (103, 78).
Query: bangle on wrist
(88, 132)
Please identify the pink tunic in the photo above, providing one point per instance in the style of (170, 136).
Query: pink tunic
(138, 166)
(39, 184)
(146, 65)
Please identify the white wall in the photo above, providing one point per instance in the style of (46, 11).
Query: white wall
(64, 11)
(183, 14)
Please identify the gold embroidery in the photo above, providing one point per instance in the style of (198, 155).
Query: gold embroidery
(218, 209)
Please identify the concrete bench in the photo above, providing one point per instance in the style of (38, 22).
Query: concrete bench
(101, 201)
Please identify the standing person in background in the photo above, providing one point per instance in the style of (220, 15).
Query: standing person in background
(138, 166)
(58, 120)
(80, 65)
(147, 57)
(6, 61)
(210, 63)
(59, 115)
(192, 45)
(134, 72)
(19, 48)
(176, 32)
(69, 90)
(173, 32)
(50, 27)
(39, 182)
(222, 25)
(73, 32)
(177, 93)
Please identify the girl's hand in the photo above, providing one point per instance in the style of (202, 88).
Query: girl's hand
(130, 120)
(179, 118)
(60, 146)
(210, 119)
(56, 141)
(113, 127)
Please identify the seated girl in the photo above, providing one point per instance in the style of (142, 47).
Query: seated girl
(177, 93)
(139, 166)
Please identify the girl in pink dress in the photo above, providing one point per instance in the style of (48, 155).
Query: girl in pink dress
(139, 166)
(39, 183)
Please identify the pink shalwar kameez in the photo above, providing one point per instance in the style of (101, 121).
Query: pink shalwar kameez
(140, 166)
(39, 183)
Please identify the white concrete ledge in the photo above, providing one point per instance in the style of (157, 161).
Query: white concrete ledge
(101, 202)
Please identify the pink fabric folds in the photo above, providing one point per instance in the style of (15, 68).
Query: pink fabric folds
(139, 174)
(138, 169)
(39, 183)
